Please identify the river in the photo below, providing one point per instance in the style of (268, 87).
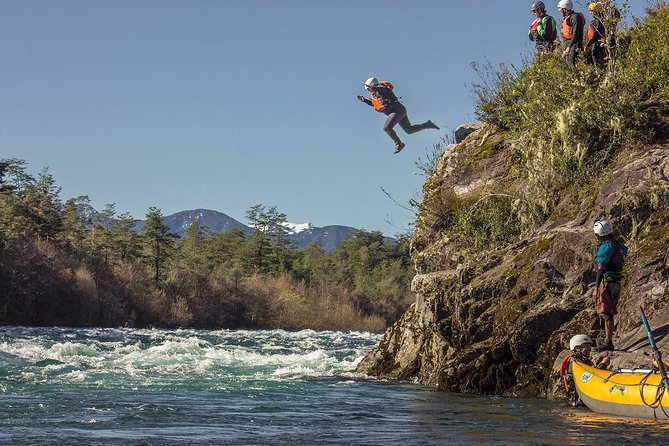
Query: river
(62, 386)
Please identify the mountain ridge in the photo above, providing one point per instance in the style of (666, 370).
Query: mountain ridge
(301, 235)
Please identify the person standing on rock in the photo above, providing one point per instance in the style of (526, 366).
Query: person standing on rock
(609, 262)
(543, 30)
(572, 31)
(384, 101)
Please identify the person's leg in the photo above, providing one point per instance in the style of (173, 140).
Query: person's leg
(598, 56)
(609, 301)
(409, 129)
(589, 55)
(608, 331)
(572, 56)
(391, 121)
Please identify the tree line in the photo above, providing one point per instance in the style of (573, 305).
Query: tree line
(59, 266)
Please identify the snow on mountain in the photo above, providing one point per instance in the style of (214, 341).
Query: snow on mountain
(296, 228)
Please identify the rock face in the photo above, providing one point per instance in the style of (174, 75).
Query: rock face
(464, 130)
(495, 322)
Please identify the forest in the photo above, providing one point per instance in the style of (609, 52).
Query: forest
(59, 266)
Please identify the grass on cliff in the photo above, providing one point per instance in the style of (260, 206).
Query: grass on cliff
(567, 123)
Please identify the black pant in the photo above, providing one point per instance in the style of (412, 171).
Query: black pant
(595, 55)
(572, 56)
(398, 115)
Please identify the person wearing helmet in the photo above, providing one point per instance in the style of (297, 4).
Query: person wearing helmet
(595, 51)
(611, 17)
(543, 30)
(581, 349)
(383, 99)
(609, 262)
(572, 31)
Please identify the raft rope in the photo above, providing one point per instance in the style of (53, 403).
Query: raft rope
(659, 393)
(660, 390)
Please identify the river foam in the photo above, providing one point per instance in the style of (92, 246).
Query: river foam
(191, 359)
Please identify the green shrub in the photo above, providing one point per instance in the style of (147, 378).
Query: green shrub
(486, 221)
(567, 123)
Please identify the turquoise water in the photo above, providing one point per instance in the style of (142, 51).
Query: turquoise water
(190, 387)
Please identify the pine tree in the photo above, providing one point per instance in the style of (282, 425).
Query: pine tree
(125, 240)
(158, 242)
(42, 202)
(191, 248)
(74, 227)
(225, 250)
(268, 242)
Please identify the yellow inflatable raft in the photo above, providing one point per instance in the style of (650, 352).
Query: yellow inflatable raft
(629, 393)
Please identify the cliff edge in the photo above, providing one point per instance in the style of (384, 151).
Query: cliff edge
(504, 246)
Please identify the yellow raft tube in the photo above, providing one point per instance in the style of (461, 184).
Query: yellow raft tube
(629, 393)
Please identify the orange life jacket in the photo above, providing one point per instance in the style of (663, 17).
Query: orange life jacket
(568, 31)
(378, 104)
(593, 33)
(564, 370)
(378, 101)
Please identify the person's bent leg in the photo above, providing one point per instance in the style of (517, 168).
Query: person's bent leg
(391, 121)
(409, 129)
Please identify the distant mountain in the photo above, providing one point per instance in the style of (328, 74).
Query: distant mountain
(328, 236)
(302, 235)
(216, 221)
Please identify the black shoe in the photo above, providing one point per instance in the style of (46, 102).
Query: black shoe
(607, 346)
(399, 147)
(432, 125)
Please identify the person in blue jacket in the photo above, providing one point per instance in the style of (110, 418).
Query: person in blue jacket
(609, 263)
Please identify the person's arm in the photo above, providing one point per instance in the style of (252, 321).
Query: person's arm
(545, 28)
(534, 30)
(579, 28)
(604, 254)
(364, 99)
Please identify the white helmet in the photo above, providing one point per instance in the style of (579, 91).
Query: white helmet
(578, 340)
(566, 4)
(371, 82)
(602, 228)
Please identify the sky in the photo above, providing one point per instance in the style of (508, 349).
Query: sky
(224, 104)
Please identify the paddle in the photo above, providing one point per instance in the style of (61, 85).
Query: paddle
(656, 352)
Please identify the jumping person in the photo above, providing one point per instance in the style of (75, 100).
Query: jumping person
(609, 262)
(543, 30)
(383, 99)
(572, 31)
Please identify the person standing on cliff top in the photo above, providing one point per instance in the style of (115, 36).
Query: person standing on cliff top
(609, 262)
(572, 31)
(543, 30)
(384, 101)
(595, 51)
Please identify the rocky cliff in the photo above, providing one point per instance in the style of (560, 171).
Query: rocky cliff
(493, 317)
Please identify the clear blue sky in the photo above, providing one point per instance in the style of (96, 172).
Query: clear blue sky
(224, 104)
